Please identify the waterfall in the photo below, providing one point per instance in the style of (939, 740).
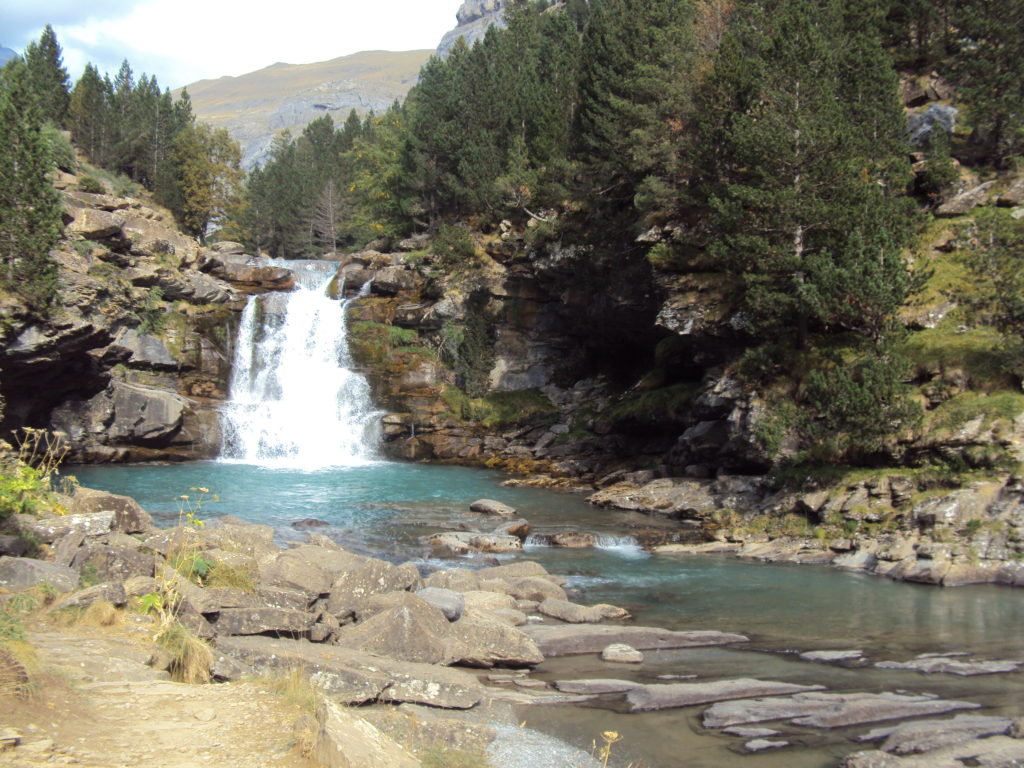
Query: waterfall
(294, 400)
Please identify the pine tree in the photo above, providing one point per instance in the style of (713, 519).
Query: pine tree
(206, 162)
(989, 72)
(49, 79)
(89, 113)
(798, 201)
(30, 213)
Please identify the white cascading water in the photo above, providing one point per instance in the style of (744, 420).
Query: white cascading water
(295, 400)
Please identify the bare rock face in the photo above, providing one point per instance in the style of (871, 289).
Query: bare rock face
(474, 17)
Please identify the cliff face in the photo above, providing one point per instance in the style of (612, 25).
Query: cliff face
(474, 17)
(257, 106)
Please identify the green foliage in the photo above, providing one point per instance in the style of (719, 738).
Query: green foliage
(91, 185)
(497, 410)
(152, 314)
(47, 77)
(988, 69)
(655, 409)
(940, 174)
(967, 406)
(995, 259)
(453, 245)
(856, 408)
(801, 173)
(30, 214)
(206, 177)
(468, 347)
(62, 154)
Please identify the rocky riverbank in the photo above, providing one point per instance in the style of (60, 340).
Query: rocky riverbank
(421, 647)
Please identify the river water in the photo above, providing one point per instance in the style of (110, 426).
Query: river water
(300, 444)
(387, 509)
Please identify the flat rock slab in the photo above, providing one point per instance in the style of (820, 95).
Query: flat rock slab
(356, 677)
(566, 640)
(953, 666)
(256, 621)
(834, 657)
(760, 745)
(926, 735)
(993, 752)
(674, 695)
(597, 686)
(750, 733)
(829, 710)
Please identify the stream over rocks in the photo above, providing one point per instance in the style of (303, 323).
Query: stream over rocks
(720, 638)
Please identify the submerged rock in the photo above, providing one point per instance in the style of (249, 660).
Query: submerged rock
(674, 695)
(829, 710)
(620, 653)
(568, 639)
(927, 735)
(952, 665)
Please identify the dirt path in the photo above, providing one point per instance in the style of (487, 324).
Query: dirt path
(100, 705)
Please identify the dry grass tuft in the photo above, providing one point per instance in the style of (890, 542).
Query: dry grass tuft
(295, 687)
(191, 657)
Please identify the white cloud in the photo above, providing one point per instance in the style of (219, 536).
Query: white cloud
(181, 41)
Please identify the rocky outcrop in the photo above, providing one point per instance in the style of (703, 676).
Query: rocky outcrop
(133, 361)
(475, 17)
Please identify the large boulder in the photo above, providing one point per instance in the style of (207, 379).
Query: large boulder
(965, 202)
(574, 613)
(416, 632)
(18, 573)
(290, 570)
(448, 601)
(51, 529)
(345, 740)
(461, 542)
(257, 621)
(674, 695)
(484, 643)
(129, 516)
(492, 507)
(373, 577)
(92, 224)
(112, 563)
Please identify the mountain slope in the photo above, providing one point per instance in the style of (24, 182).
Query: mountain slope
(256, 106)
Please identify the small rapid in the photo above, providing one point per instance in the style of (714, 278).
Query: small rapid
(295, 401)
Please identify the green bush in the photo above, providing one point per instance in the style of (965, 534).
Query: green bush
(90, 184)
(453, 245)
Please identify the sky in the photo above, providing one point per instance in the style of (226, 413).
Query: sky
(181, 41)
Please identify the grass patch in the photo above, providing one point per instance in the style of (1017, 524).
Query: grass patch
(975, 351)
(225, 575)
(499, 409)
(967, 406)
(295, 687)
(656, 408)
